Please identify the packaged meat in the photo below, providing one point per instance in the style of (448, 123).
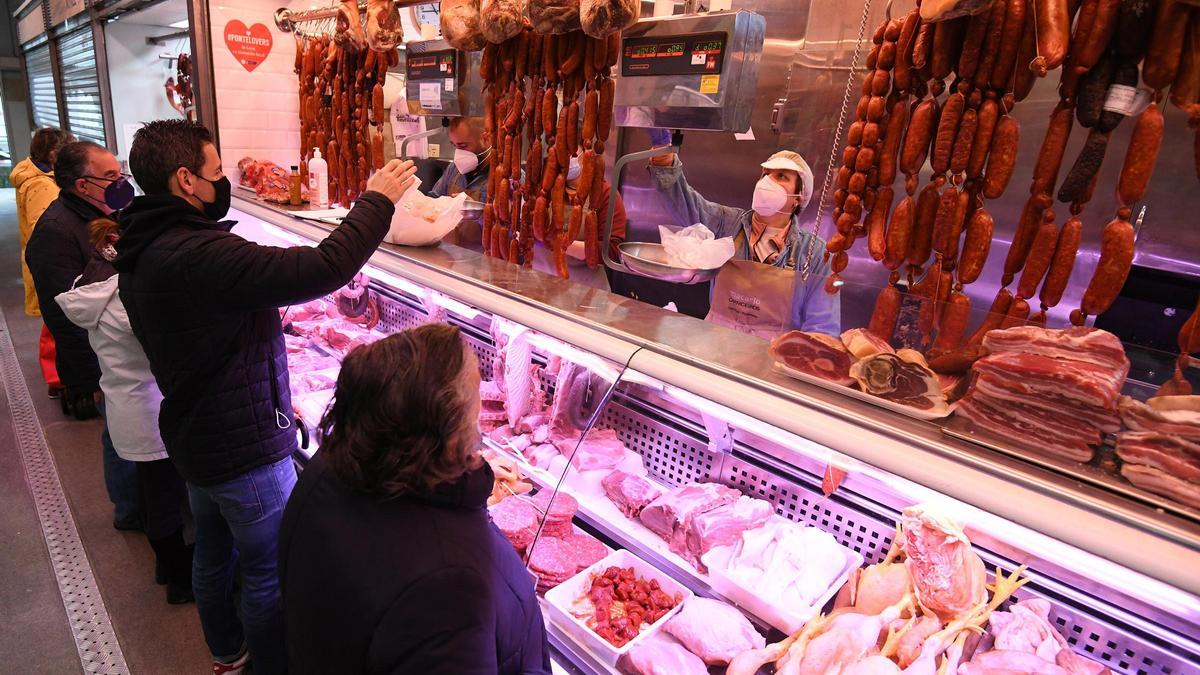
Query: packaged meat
(629, 493)
(501, 19)
(601, 18)
(600, 449)
(670, 512)
(554, 17)
(460, 24)
(660, 654)
(722, 526)
(815, 354)
(782, 571)
(713, 630)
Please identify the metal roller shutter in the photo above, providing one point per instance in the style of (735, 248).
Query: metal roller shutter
(81, 85)
(41, 86)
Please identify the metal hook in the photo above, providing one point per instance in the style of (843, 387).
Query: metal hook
(887, 11)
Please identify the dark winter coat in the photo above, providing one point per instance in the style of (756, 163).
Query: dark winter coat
(410, 585)
(204, 303)
(56, 254)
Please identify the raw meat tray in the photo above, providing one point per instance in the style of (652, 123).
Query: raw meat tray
(863, 396)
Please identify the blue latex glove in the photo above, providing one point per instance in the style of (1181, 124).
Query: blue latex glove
(659, 137)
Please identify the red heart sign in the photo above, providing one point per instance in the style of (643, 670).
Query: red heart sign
(250, 46)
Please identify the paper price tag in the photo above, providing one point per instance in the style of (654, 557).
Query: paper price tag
(1126, 100)
(449, 85)
(431, 95)
(710, 84)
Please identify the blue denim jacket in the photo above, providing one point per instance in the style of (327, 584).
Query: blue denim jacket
(812, 308)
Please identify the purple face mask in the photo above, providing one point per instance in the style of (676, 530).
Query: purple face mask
(117, 194)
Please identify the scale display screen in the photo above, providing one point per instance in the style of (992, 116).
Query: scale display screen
(432, 65)
(696, 54)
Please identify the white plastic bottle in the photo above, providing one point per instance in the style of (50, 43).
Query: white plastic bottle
(318, 180)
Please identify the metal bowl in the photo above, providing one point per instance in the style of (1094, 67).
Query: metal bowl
(650, 260)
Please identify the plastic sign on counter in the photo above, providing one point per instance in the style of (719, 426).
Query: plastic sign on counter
(250, 46)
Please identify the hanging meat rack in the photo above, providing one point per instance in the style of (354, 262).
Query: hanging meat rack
(321, 21)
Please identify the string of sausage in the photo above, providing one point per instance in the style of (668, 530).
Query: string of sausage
(524, 78)
(341, 112)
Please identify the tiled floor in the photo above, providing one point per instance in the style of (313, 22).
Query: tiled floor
(36, 638)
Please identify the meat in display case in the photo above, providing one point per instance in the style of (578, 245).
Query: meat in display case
(679, 516)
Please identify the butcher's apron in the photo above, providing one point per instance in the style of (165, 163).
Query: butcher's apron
(753, 298)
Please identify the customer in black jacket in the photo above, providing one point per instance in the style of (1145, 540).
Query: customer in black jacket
(203, 302)
(90, 186)
(388, 559)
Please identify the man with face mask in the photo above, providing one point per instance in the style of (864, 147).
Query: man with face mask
(472, 161)
(91, 186)
(204, 304)
(769, 233)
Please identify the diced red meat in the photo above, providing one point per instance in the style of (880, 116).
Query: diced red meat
(1090, 345)
(629, 493)
(815, 354)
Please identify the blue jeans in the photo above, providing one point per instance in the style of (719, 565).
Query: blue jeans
(237, 523)
(121, 481)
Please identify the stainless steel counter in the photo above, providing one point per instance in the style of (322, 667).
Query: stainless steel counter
(1081, 530)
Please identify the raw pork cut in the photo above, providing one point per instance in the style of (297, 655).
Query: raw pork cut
(1159, 482)
(600, 449)
(629, 493)
(660, 654)
(713, 630)
(518, 377)
(491, 410)
(814, 354)
(1028, 428)
(1172, 454)
(892, 378)
(460, 25)
(1171, 415)
(1089, 345)
(671, 511)
(862, 343)
(1037, 375)
(722, 526)
(1001, 391)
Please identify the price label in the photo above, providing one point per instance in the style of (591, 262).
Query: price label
(431, 95)
(1126, 100)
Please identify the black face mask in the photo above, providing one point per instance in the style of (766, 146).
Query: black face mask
(218, 208)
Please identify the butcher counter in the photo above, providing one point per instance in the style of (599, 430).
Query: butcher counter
(705, 404)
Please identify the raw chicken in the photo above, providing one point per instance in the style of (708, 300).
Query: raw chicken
(659, 654)
(518, 376)
(1079, 665)
(1007, 662)
(1025, 627)
(881, 585)
(713, 631)
(914, 638)
(948, 577)
(873, 665)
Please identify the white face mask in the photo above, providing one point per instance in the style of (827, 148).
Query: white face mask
(465, 161)
(573, 169)
(770, 197)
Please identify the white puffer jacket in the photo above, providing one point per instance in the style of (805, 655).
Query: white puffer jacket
(132, 398)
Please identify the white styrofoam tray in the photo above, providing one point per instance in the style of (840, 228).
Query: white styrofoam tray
(565, 597)
(787, 619)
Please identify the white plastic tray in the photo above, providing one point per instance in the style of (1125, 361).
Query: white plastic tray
(564, 597)
(787, 619)
(863, 396)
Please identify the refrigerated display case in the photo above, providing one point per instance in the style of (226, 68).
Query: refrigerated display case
(700, 404)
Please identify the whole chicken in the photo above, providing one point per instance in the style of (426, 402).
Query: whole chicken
(881, 585)
(1025, 627)
(384, 31)
(914, 638)
(948, 577)
(1008, 662)
(713, 630)
(847, 639)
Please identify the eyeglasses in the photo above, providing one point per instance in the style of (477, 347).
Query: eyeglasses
(106, 179)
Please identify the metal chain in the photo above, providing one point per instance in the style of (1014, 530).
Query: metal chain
(833, 150)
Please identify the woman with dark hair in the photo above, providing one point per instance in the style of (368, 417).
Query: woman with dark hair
(388, 560)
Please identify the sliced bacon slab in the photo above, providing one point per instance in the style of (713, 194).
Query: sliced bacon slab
(1036, 375)
(1176, 422)
(1001, 391)
(1031, 428)
(1175, 456)
(815, 354)
(1162, 483)
(1090, 345)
